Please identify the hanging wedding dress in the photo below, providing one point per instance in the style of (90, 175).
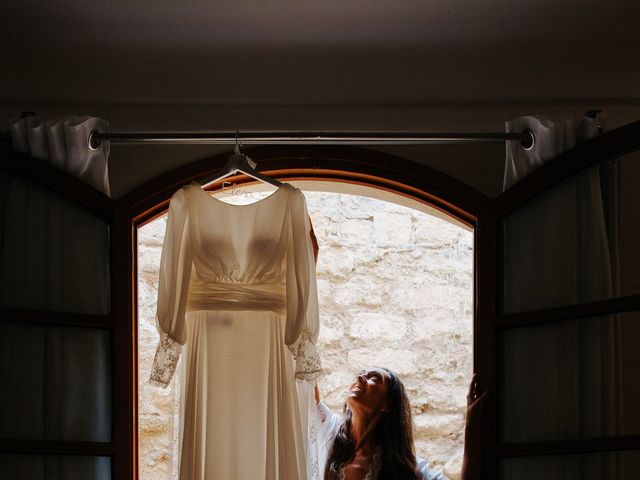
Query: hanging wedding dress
(237, 295)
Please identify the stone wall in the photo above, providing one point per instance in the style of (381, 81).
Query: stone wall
(395, 290)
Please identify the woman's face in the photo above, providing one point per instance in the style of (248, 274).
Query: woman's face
(370, 390)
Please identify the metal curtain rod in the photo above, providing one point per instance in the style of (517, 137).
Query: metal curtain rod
(302, 137)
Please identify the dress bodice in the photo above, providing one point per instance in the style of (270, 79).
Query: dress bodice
(240, 244)
(222, 257)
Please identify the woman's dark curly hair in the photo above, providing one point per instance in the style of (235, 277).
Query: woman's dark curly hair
(393, 436)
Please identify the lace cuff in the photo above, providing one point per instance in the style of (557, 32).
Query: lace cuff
(305, 353)
(165, 361)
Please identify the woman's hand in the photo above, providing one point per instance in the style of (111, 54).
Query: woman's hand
(316, 393)
(475, 405)
(471, 462)
(475, 401)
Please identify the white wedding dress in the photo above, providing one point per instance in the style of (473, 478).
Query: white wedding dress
(237, 296)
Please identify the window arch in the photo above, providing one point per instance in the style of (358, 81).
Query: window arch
(339, 169)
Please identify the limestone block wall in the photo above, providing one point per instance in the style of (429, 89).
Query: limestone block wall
(395, 290)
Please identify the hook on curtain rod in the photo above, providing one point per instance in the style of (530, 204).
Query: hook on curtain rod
(236, 149)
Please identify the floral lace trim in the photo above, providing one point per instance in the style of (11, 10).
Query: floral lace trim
(165, 361)
(305, 353)
(312, 454)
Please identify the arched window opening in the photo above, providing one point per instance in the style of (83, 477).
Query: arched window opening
(395, 284)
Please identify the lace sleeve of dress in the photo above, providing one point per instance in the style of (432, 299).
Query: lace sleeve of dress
(305, 353)
(173, 289)
(165, 361)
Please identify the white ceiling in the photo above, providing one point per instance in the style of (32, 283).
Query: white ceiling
(331, 52)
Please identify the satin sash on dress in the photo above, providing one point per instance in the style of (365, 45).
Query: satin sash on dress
(213, 296)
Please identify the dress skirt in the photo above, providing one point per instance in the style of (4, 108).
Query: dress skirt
(240, 416)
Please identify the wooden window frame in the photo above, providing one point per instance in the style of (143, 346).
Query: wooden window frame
(351, 165)
(609, 146)
(121, 445)
(340, 164)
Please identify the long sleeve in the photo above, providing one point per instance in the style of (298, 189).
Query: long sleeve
(329, 426)
(173, 288)
(323, 428)
(303, 323)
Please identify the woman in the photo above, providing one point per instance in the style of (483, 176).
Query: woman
(374, 438)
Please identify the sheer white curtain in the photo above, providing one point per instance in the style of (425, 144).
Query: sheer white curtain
(553, 135)
(64, 141)
(54, 256)
(559, 246)
(561, 249)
